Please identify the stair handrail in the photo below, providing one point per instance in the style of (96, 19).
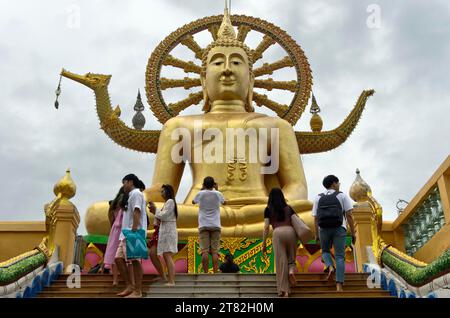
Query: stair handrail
(413, 273)
(426, 218)
(27, 266)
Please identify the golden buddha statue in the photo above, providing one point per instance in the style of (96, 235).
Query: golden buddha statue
(227, 80)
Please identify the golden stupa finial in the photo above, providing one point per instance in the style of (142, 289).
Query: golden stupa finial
(226, 29)
(316, 122)
(359, 189)
(65, 188)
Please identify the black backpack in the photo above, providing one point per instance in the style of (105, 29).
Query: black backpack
(329, 211)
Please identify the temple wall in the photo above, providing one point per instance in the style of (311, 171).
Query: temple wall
(440, 242)
(435, 247)
(19, 237)
(387, 233)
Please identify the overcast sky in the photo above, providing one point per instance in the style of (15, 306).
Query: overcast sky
(401, 140)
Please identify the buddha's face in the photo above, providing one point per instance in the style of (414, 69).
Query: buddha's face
(228, 74)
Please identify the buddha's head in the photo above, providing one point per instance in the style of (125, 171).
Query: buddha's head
(227, 69)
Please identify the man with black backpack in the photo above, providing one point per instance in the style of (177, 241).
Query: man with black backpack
(332, 211)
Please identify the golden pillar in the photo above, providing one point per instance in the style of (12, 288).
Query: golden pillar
(63, 220)
(362, 214)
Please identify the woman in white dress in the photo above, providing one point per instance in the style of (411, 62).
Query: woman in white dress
(168, 235)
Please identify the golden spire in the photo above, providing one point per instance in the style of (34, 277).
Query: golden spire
(226, 29)
(316, 122)
(314, 106)
(65, 187)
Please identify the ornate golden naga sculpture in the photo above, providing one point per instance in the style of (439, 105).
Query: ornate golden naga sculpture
(227, 104)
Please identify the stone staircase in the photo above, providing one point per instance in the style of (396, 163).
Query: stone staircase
(217, 286)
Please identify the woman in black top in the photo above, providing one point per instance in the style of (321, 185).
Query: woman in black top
(278, 215)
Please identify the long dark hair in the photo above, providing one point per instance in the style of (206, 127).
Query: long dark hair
(277, 203)
(120, 201)
(170, 194)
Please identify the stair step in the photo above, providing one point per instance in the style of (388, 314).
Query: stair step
(300, 283)
(305, 275)
(224, 277)
(156, 288)
(217, 286)
(337, 295)
(178, 283)
(345, 294)
(79, 294)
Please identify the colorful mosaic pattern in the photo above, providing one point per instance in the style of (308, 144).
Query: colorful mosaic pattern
(247, 254)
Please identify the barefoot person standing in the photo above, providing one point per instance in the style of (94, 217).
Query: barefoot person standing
(115, 215)
(278, 214)
(168, 235)
(153, 245)
(134, 218)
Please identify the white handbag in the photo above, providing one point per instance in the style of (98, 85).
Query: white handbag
(304, 233)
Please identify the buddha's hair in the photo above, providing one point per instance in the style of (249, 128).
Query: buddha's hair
(226, 42)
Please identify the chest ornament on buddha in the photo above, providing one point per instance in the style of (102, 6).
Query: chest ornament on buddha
(237, 169)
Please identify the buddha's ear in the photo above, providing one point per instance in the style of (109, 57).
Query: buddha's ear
(250, 94)
(206, 107)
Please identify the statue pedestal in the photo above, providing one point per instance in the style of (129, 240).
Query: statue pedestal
(246, 251)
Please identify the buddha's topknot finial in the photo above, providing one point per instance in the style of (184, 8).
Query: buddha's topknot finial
(226, 36)
(226, 29)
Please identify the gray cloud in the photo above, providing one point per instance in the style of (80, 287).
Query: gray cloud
(399, 143)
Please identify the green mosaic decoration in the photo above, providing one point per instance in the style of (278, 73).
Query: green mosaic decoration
(21, 267)
(96, 239)
(415, 275)
(246, 252)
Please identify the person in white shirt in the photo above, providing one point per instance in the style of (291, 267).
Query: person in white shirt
(168, 235)
(332, 211)
(134, 218)
(209, 227)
